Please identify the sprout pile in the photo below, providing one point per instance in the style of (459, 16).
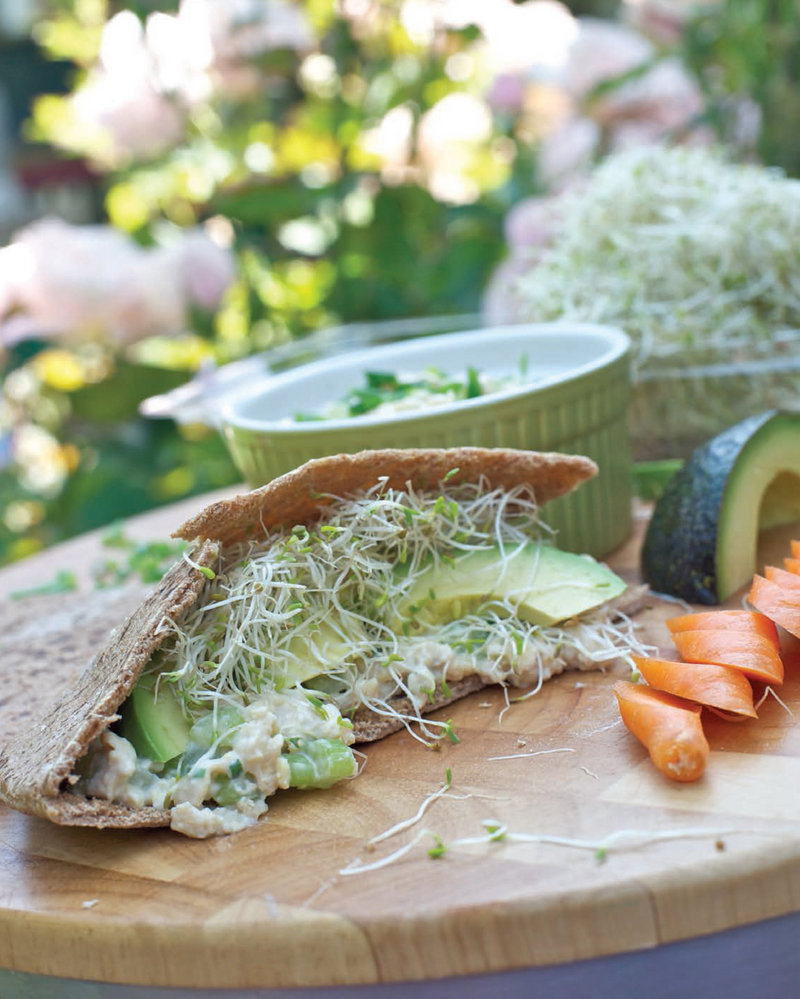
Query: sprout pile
(698, 260)
(689, 253)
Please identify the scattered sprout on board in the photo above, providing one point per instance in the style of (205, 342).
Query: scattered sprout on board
(147, 560)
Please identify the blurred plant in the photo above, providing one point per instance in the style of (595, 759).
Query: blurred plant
(746, 54)
(357, 156)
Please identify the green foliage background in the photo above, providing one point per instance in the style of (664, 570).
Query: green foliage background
(383, 250)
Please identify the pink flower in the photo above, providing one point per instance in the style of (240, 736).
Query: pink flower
(225, 37)
(507, 93)
(137, 122)
(568, 152)
(665, 96)
(123, 105)
(498, 302)
(663, 20)
(93, 282)
(601, 51)
(532, 223)
(206, 269)
(661, 102)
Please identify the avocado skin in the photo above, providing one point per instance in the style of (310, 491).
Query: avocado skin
(679, 551)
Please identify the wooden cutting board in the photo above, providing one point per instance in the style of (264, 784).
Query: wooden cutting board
(273, 906)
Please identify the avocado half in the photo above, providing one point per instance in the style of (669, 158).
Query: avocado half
(702, 539)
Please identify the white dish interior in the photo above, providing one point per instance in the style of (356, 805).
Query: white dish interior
(555, 352)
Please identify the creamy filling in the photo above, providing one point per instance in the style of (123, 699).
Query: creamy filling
(220, 787)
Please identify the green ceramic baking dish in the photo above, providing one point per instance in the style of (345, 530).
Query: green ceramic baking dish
(574, 399)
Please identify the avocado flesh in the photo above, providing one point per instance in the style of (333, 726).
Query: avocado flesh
(542, 584)
(313, 654)
(153, 721)
(702, 539)
(763, 490)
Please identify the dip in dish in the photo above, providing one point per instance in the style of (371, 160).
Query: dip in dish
(384, 393)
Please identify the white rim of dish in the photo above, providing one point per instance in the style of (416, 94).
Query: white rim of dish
(617, 343)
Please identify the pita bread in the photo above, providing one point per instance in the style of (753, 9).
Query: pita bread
(37, 763)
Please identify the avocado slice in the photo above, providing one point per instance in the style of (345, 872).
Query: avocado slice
(702, 539)
(545, 586)
(154, 722)
(324, 648)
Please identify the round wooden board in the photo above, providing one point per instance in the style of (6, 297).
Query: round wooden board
(273, 906)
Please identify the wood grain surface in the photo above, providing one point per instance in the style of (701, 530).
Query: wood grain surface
(271, 906)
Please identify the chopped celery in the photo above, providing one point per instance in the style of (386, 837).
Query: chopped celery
(228, 790)
(216, 727)
(320, 763)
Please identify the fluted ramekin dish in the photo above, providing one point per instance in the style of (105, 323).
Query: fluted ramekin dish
(575, 401)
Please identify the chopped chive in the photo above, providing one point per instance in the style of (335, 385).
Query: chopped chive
(449, 475)
(317, 705)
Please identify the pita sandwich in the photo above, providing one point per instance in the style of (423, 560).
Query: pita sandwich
(343, 601)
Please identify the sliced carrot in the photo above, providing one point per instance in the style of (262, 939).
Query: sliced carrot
(715, 686)
(792, 565)
(669, 727)
(754, 655)
(782, 577)
(737, 620)
(777, 603)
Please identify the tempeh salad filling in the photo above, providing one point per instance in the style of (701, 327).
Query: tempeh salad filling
(391, 594)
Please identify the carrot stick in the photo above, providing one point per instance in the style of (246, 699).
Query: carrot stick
(754, 655)
(792, 565)
(777, 603)
(721, 687)
(795, 548)
(668, 727)
(737, 620)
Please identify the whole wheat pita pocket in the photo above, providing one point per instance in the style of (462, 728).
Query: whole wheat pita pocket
(39, 767)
